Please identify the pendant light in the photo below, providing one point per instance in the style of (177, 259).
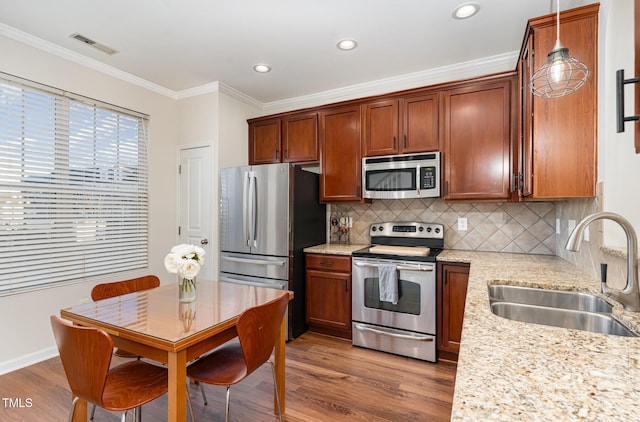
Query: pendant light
(561, 74)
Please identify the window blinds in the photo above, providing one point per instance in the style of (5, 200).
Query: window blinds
(73, 188)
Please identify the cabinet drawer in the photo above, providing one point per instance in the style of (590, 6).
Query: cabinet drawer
(329, 262)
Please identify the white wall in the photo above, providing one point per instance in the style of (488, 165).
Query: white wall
(621, 169)
(25, 331)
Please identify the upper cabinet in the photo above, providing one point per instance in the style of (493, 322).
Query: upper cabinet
(477, 132)
(557, 150)
(292, 138)
(264, 141)
(400, 125)
(341, 157)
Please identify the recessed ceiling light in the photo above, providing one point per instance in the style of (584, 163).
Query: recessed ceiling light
(262, 68)
(465, 10)
(347, 44)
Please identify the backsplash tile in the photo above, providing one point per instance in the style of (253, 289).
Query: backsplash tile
(493, 227)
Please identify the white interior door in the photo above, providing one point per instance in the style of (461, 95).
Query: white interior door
(196, 180)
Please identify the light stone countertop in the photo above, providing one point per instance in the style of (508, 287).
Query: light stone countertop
(334, 249)
(515, 371)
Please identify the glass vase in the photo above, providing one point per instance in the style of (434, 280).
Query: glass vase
(187, 289)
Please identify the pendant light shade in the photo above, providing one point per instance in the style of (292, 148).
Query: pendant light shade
(561, 74)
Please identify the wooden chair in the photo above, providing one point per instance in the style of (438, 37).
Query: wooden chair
(119, 288)
(86, 355)
(258, 329)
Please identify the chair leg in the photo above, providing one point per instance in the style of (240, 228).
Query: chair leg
(204, 396)
(275, 388)
(226, 415)
(93, 412)
(193, 419)
(124, 417)
(73, 408)
(137, 414)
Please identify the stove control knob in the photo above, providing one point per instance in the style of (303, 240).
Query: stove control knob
(437, 229)
(428, 229)
(420, 229)
(373, 228)
(380, 228)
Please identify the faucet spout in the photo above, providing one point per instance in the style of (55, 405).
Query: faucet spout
(629, 297)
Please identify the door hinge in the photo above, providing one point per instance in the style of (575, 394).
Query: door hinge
(517, 182)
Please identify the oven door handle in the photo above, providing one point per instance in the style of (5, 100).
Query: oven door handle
(392, 333)
(399, 267)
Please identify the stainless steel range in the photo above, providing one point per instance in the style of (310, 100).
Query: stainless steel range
(394, 289)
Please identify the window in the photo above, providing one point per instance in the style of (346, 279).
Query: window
(73, 187)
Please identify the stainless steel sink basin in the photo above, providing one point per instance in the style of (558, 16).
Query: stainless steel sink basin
(579, 320)
(552, 298)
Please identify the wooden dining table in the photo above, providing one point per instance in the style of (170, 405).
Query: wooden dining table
(155, 325)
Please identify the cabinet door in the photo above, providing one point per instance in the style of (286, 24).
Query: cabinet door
(564, 129)
(454, 279)
(328, 297)
(380, 128)
(477, 141)
(419, 124)
(264, 142)
(300, 138)
(341, 157)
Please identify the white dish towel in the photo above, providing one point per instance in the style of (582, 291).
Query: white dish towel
(388, 283)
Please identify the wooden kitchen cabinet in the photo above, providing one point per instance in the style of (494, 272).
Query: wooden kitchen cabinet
(556, 154)
(452, 281)
(264, 141)
(289, 139)
(400, 126)
(477, 133)
(341, 156)
(328, 294)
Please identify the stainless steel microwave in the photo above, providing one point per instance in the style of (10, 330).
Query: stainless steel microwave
(401, 176)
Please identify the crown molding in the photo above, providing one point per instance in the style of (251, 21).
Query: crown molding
(464, 70)
(65, 53)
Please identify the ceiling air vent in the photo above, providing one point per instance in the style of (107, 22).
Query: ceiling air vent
(104, 48)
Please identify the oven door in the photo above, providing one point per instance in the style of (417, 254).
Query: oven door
(416, 307)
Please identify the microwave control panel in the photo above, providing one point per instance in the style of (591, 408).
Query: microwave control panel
(428, 177)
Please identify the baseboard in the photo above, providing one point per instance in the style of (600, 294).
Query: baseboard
(26, 360)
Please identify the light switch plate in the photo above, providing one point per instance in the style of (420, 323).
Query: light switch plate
(558, 230)
(462, 223)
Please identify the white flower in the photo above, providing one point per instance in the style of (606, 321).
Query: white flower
(185, 259)
(171, 262)
(189, 268)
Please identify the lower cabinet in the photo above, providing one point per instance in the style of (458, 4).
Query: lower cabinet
(452, 281)
(328, 294)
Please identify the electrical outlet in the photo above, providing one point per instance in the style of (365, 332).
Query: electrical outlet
(462, 223)
(558, 231)
(585, 234)
(571, 225)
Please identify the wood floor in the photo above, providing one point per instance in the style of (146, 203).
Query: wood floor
(327, 380)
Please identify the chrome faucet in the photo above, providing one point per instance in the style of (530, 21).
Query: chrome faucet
(629, 297)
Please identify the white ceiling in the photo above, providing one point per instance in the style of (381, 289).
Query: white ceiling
(185, 44)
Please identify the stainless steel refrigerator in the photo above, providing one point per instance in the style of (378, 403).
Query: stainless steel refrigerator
(268, 215)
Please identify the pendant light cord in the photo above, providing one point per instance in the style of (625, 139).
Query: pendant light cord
(557, 21)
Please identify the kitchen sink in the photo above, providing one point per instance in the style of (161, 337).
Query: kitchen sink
(552, 298)
(566, 318)
(556, 308)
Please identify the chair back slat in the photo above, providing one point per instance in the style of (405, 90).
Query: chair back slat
(86, 355)
(258, 329)
(119, 288)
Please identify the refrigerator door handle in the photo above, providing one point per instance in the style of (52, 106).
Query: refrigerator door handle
(254, 261)
(254, 208)
(245, 208)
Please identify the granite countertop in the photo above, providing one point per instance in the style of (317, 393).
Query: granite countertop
(515, 371)
(334, 248)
